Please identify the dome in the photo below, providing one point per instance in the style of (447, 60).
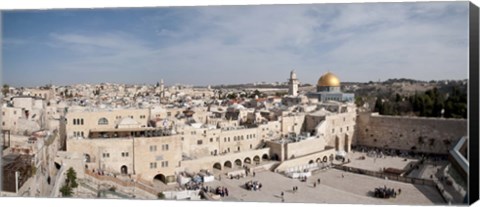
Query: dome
(328, 79)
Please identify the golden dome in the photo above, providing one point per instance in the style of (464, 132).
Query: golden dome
(328, 79)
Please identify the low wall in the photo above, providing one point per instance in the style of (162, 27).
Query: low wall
(306, 160)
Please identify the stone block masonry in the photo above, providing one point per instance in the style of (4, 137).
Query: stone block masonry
(418, 134)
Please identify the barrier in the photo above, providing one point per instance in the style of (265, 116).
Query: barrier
(123, 183)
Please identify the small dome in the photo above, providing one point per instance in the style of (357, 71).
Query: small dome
(328, 79)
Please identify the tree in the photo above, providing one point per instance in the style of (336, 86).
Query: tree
(5, 89)
(66, 191)
(359, 101)
(70, 183)
(161, 195)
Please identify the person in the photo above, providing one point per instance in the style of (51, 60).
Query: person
(343, 175)
(399, 191)
(281, 194)
(253, 174)
(294, 189)
(314, 185)
(226, 192)
(318, 180)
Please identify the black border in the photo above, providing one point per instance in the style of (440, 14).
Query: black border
(473, 108)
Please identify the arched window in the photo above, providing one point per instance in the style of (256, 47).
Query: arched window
(103, 121)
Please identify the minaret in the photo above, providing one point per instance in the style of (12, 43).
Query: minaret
(162, 92)
(293, 84)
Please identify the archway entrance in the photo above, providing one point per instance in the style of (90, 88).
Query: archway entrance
(275, 157)
(57, 166)
(160, 177)
(228, 164)
(87, 158)
(337, 143)
(247, 160)
(238, 162)
(124, 170)
(217, 166)
(256, 159)
(310, 162)
(264, 157)
(347, 143)
(318, 160)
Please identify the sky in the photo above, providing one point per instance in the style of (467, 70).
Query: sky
(236, 44)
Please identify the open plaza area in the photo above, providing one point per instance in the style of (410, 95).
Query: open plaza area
(334, 189)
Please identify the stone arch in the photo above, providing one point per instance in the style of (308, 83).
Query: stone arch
(217, 165)
(87, 158)
(311, 162)
(256, 159)
(265, 157)
(238, 162)
(160, 177)
(331, 158)
(124, 170)
(318, 160)
(325, 159)
(227, 164)
(103, 121)
(247, 160)
(57, 165)
(275, 157)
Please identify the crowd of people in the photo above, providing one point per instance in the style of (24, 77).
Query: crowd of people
(222, 191)
(386, 192)
(253, 185)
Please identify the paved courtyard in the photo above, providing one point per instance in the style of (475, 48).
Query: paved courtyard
(352, 189)
(375, 164)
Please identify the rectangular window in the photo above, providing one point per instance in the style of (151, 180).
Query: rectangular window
(153, 165)
(211, 139)
(106, 155)
(153, 148)
(164, 147)
(164, 163)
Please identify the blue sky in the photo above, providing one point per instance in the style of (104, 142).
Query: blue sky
(236, 44)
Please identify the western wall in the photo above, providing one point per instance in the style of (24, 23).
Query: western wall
(418, 134)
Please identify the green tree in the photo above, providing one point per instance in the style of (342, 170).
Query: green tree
(161, 195)
(70, 183)
(359, 101)
(5, 89)
(66, 191)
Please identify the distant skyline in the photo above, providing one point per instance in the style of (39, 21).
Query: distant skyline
(236, 44)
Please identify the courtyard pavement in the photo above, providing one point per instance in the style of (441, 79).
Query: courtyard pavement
(352, 189)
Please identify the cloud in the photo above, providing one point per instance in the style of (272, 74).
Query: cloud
(237, 44)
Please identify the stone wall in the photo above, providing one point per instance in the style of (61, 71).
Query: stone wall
(308, 159)
(304, 147)
(429, 135)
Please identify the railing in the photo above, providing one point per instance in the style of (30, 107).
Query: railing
(385, 175)
(123, 183)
